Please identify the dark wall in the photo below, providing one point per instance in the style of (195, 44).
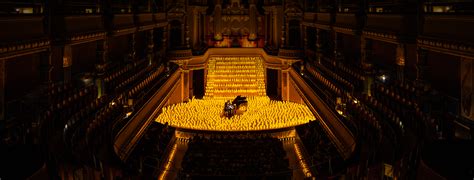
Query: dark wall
(384, 54)
(198, 83)
(410, 62)
(443, 73)
(272, 83)
(119, 48)
(84, 57)
(350, 46)
(141, 46)
(22, 76)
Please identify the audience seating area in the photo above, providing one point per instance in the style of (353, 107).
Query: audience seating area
(151, 149)
(235, 156)
(324, 157)
(86, 120)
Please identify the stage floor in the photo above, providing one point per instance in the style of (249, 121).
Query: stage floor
(262, 114)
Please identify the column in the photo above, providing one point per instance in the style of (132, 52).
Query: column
(253, 20)
(336, 50)
(217, 20)
(67, 63)
(46, 67)
(164, 42)
(102, 58)
(2, 92)
(266, 29)
(421, 65)
(184, 84)
(285, 90)
(400, 61)
(133, 44)
(276, 40)
(279, 86)
(366, 50)
(284, 39)
(191, 84)
(287, 30)
(195, 28)
(166, 35)
(150, 47)
(305, 36)
(318, 45)
(186, 35)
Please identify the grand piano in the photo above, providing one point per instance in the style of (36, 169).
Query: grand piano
(237, 106)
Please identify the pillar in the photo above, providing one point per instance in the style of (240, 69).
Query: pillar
(186, 33)
(150, 47)
(67, 63)
(102, 58)
(46, 67)
(195, 28)
(2, 92)
(275, 26)
(421, 65)
(305, 36)
(400, 61)
(164, 42)
(166, 37)
(285, 89)
(318, 45)
(284, 39)
(366, 50)
(217, 19)
(336, 50)
(133, 44)
(253, 20)
(190, 83)
(184, 84)
(267, 32)
(280, 84)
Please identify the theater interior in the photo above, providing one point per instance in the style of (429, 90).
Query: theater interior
(237, 89)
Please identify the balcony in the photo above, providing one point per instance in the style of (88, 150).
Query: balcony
(145, 21)
(453, 27)
(83, 23)
(346, 20)
(122, 21)
(290, 53)
(448, 33)
(391, 26)
(22, 35)
(159, 17)
(309, 17)
(395, 23)
(26, 27)
(324, 18)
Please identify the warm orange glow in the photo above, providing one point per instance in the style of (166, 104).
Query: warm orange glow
(232, 76)
(262, 114)
(227, 78)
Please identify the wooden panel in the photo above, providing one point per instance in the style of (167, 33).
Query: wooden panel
(144, 19)
(17, 28)
(2, 90)
(83, 23)
(84, 57)
(324, 18)
(444, 72)
(21, 75)
(160, 16)
(452, 27)
(123, 20)
(394, 23)
(346, 20)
